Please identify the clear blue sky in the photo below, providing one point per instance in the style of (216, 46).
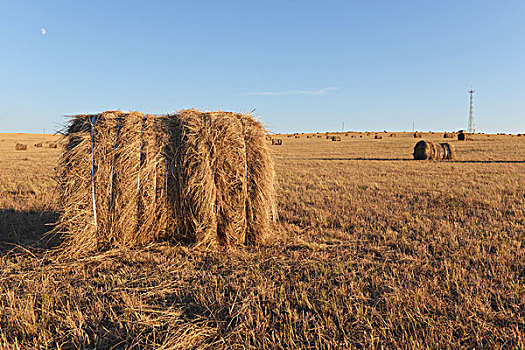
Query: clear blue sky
(303, 65)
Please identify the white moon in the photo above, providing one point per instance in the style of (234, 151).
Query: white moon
(43, 31)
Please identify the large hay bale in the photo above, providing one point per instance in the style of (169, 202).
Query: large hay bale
(20, 147)
(426, 150)
(417, 135)
(336, 138)
(277, 142)
(378, 137)
(448, 135)
(192, 177)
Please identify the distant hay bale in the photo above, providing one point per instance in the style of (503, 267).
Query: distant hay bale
(336, 138)
(52, 145)
(417, 135)
(392, 135)
(277, 142)
(353, 136)
(378, 137)
(426, 150)
(38, 144)
(192, 177)
(328, 137)
(463, 136)
(448, 135)
(297, 136)
(309, 136)
(21, 147)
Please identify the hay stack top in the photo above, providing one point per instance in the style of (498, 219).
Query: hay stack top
(199, 178)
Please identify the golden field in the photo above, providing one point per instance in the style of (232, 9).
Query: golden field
(372, 250)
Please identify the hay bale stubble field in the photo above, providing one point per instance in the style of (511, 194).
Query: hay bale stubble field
(372, 249)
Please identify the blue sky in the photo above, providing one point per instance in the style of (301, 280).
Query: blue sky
(303, 65)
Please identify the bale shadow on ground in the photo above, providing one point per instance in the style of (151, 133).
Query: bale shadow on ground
(27, 229)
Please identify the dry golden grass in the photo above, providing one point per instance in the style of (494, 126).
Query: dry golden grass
(372, 250)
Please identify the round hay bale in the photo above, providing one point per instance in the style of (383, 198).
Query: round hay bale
(378, 137)
(21, 147)
(192, 177)
(336, 138)
(418, 135)
(463, 136)
(277, 142)
(38, 144)
(426, 150)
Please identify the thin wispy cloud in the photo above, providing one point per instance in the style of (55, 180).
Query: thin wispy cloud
(292, 92)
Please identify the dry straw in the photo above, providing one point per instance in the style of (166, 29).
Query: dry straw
(426, 150)
(192, 177)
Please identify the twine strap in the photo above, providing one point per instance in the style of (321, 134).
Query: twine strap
(166, 178)
(113, 165)
(155, 179)
(140, 164)
(93, 121)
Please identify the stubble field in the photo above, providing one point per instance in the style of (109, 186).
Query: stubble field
(372, 250)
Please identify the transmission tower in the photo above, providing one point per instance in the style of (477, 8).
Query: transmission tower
(471, 125)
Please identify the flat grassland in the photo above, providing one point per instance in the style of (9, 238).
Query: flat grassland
(372, 250)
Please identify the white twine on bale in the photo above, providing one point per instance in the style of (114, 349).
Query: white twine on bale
(166, 178)
(245, 176)
(140, 164)
(155, 179)
(93, 121)
(113, 165)
(245, 160)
